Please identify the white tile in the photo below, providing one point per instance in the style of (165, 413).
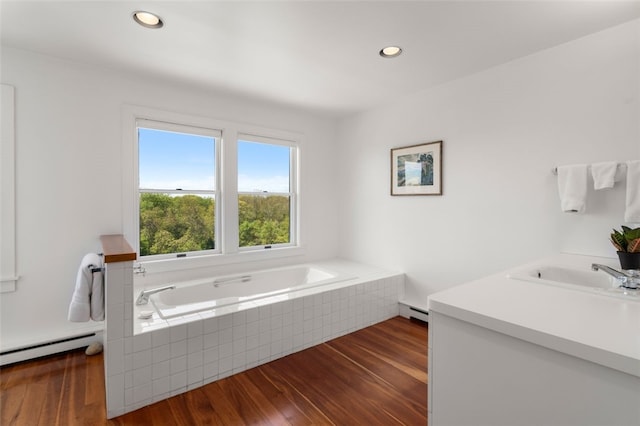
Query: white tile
(210, 355)
(225, 335)
(195, 344)
(160, 337)
(114, 295)
(161, 369)
(276, 322)
(127, 291)
(115, 322)
(195, 375)
(210, 325)
(128, 398)
(115, 392)
(194, 360)
(195, 329)
(307, 302)
(128, 328)
(239, 361)
(210, 370)
(178, 381)
(179, 390)
(141, 342)
(178, 332)
(128, 379)
(161, 386)
(142, 358)
(211, 379)
(239, 346)
(161, 353)
(142, 376)
(128, 345)
(265, 352)
(276, 348)
(264, 312)
(264, 326)
(239, 318)
(142, 393)
(252, 355)
(160, 397)
(253, 328)
(276, 309)
(194, 385)
(210, 340)
(178, 364)
(225, 350)
(253, 315)
(114, 353)
(178, 348)
(225, 322)
(239, 331)
(252, 342)
(225, 365)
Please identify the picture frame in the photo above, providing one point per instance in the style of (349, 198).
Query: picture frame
(417, 169)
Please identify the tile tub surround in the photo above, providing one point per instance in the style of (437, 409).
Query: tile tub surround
(145, 368)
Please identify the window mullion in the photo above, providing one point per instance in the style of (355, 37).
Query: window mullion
(229, 192)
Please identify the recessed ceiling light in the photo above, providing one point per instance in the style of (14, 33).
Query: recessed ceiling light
(390, 52)
(147, 19)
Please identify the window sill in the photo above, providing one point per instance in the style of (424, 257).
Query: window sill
(246, 257)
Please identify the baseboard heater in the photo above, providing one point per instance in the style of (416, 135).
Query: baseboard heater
(48, 348)
(418, 314)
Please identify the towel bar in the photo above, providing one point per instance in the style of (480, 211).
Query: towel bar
(94, 269)
(620, 166)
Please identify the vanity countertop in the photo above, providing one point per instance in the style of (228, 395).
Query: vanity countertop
(598, 328)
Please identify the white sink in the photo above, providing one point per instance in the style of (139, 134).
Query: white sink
(577, 279)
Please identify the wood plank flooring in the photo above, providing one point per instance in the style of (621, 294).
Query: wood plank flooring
(375, 376)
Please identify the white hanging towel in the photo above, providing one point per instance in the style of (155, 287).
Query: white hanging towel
(632, 210)
(572, 186)
(88, 297)
(604, 174)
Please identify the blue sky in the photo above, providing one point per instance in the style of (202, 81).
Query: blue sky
(170, 160)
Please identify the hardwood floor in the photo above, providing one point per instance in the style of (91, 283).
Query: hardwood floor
(375, 376)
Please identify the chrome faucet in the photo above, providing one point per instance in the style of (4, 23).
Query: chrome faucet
(143, 298)
(629, 279)
(139, 269)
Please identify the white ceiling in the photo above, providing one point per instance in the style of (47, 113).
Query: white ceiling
(320, 55)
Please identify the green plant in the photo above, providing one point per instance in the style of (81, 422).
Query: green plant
(627, 240)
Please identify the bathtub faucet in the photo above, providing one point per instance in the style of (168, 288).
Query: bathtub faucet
(139, 269)
(627, 280)
(143, 298)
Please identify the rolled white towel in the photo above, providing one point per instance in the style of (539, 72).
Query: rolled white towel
(632, 210)
(572, 187)
(604, 174)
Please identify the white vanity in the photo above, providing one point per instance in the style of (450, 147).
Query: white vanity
(548, 343)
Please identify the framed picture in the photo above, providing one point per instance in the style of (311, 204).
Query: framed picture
(417, 169)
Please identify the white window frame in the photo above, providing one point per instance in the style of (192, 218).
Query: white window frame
(292, 194)
(192, 130)
(226, 198)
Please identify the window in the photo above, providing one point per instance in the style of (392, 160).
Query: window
(177, 189)
(195, 196)
(266, 192)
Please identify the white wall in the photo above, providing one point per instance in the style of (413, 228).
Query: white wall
(68, 175)
(503, 129)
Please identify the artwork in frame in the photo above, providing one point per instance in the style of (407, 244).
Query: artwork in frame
(417, 169)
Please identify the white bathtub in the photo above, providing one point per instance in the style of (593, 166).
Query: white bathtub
(215, 292)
